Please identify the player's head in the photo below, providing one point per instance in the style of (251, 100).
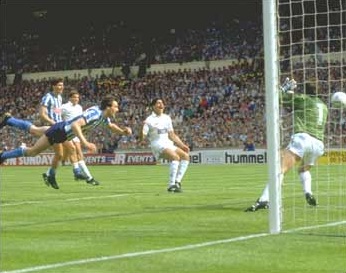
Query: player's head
(57, 85)
(157, 105)
(107, 101)
(310, 89)
(110, 106)
(73, 96)
(56, 81)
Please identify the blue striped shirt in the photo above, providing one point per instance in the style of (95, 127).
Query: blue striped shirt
(93, 118)
(53, 104)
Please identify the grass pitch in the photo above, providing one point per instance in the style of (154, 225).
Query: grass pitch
(131, 224)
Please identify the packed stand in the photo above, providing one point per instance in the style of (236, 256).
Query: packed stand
(231, 98)
(114, 45)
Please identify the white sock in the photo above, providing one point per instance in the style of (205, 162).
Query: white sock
(75, 165)
(85, 169)
(182, 169)
(305, 178)
(173, 169)
(265, 194)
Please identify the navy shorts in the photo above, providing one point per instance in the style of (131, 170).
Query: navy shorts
(56, 133)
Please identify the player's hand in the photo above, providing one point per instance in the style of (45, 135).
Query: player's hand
(186, 148)
(288, 86)
(127, 131)
(142, 142)
(91, 147)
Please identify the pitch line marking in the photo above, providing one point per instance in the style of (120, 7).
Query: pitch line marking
(159, 251)
(64, 200)
(134, 254)
(334, 224)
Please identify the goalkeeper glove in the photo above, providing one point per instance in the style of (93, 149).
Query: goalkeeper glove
(288, 86)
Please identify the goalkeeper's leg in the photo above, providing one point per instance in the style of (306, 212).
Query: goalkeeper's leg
(288, 160)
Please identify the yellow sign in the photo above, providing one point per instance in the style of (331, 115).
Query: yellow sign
(333, 157)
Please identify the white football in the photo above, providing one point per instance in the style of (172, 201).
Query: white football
(339, 99)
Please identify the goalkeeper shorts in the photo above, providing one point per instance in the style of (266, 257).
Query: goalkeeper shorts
(307, 147)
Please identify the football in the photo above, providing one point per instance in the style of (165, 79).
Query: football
(339, 99)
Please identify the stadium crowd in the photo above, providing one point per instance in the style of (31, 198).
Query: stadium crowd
(210, 108)
(219, 40)
(220, 107)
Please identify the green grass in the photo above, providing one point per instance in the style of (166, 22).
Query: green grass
(130, 224)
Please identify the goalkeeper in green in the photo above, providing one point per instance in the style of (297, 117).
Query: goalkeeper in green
(306, 144)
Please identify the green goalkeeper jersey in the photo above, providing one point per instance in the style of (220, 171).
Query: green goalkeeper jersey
(309, 114)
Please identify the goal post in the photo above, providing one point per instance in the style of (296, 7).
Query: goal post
(271, 69)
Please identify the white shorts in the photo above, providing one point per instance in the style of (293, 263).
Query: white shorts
(76, 139)
(158, 147)
(308, 148)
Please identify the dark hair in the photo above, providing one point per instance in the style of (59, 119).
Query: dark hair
(310, 89)
(55, 81)
(72, 93)
(154, 101)
(107, 102)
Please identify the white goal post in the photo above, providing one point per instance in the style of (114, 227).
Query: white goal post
(271, 68)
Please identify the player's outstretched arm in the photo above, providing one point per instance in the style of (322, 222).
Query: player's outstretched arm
(122, 131)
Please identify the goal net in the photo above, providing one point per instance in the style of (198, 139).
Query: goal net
(312, 49)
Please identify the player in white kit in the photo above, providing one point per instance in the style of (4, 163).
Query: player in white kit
(164, 143)
(70, 110)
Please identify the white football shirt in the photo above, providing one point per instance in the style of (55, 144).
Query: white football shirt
(157, 128)
(69, 111)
